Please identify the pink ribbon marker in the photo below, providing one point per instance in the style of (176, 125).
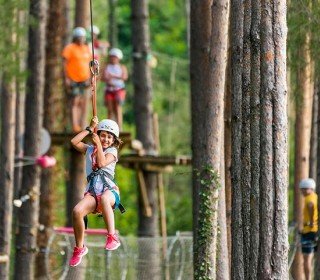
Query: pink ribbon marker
(46, 161)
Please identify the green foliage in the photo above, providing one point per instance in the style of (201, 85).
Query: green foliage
(10, 36)
(208, 193)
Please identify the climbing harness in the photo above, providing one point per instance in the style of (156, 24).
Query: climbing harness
(92, 178)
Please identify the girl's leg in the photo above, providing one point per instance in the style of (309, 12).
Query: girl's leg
(84, 207)
(107, 201)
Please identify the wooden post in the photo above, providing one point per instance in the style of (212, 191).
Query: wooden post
(144, 194)
(162, 203)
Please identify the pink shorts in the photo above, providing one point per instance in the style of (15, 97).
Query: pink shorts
(117, 95)
(98, 209)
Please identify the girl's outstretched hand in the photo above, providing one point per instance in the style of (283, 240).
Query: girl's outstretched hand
(94, 122)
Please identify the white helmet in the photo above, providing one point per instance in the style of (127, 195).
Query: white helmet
(79, 32)
(95, 30)
(308, 183)
(116, 52)
(109, 125)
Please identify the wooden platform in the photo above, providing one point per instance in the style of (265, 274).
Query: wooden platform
(153, 163)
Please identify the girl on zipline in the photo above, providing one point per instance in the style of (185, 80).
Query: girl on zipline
(101, 193)
(115, 75)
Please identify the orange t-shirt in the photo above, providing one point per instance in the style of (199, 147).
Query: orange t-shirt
(77, 58)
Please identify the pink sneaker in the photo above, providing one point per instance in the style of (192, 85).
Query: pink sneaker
(77, 255)
(112, 242)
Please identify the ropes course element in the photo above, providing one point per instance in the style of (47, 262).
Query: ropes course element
(94, 69)
(130, 261)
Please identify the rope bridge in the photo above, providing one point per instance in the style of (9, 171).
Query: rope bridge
(136, 258)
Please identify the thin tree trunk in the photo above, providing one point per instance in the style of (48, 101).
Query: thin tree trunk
(207, 68)
(314, 135)
(7, 137)
(255, 140)
(302, 140)
(20, 100)
(227, 154)
(29, 212)
(82, 17)
(8, 102)
(280, 139)
(223, 272)
(245, 138)
(237, 18)
(52, 104)
(147, 226)
(113, 28)
(266, 138)
(317, 254)
(75, 181)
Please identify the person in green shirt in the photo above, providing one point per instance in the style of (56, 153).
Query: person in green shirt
(310, 224)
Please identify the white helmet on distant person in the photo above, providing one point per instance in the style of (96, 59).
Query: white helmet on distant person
(79, 32)
(116, 52)
(95, 30)
(109, 126)
(308, 183)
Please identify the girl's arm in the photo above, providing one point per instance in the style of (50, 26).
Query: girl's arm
(77, 144)
(76, 141)
(124, 75)
(102, 159)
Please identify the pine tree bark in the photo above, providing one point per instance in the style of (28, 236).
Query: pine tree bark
(8, 101)
(29, 212)
(75, 181)
(280, 139)
(245, 138)
(223, 269)
(266, 136)
(209, 24)
(317, 254)
(20, 100)
(113, 28)
(82, 16)
(255, 140)
(236, 25)
(53, 103)
(147, 226)
(302, 139)
(314, 134)
(7, 138)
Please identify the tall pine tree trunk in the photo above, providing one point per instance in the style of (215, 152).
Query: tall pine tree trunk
(113, 28)
(7, 137)
(29, 212)
(53, 103)
(7, 146)
(279, 257)
(208, 53)
(255, 139)
(75, 181)
(82, 16)
(302, 140)
(265, 257)
(147, 226)
(236, 41)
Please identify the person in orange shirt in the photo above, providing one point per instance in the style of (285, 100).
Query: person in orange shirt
(77, 57)
(310, 224)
